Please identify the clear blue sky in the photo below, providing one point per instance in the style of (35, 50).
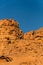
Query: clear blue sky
(29, 13)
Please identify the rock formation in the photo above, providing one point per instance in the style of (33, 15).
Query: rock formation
(18, 48)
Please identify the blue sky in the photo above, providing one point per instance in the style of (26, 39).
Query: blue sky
(29, 13)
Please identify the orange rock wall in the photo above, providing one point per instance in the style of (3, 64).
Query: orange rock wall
(18, 48)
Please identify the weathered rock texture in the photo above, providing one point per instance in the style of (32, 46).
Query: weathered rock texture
(18, 48)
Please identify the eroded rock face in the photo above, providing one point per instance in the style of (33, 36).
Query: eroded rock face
(9, 31)
(20, 48)
(34, 35)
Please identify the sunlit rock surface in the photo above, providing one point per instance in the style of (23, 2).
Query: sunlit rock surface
(18, 48)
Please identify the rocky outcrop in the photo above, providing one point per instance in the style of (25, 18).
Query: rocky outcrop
(18, 48)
